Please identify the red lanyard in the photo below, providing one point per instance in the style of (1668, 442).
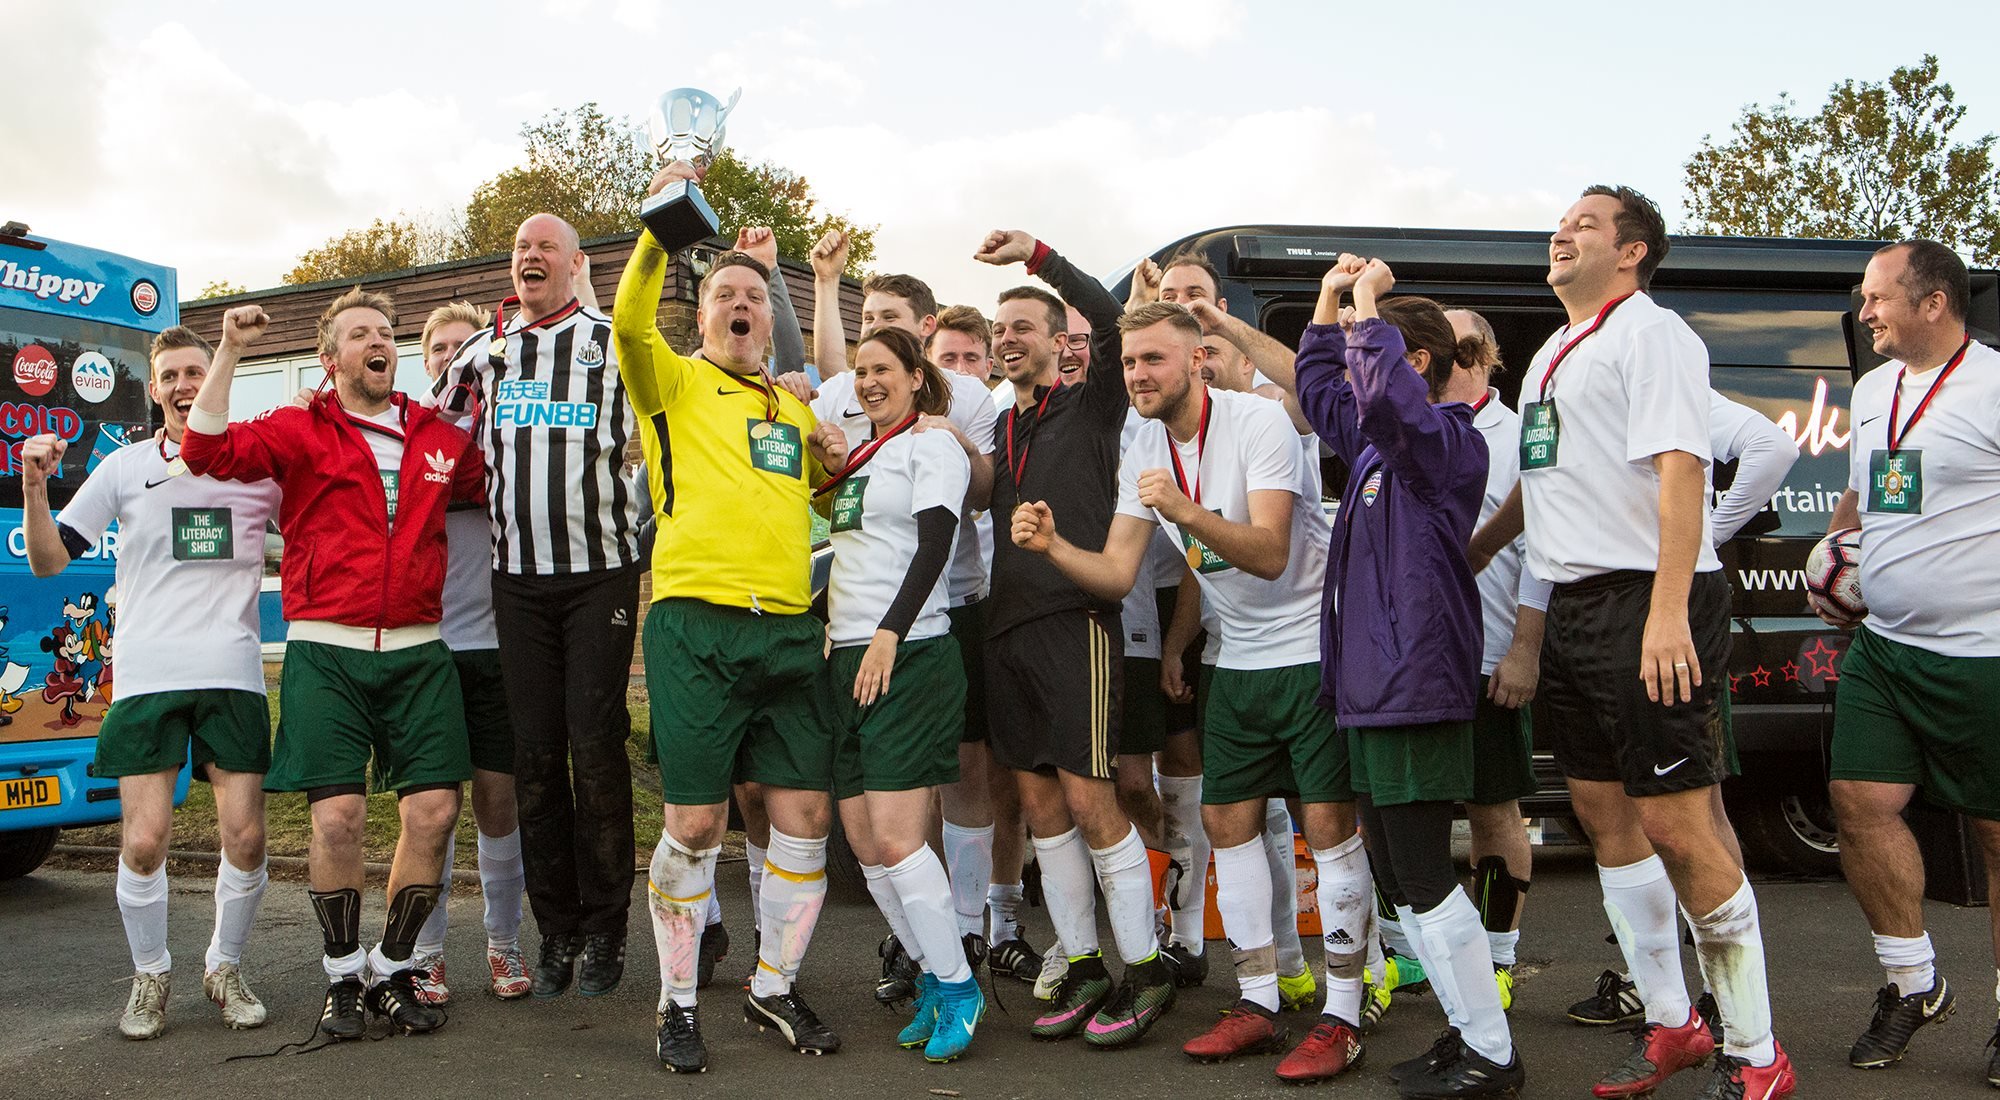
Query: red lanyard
(1896, 400)
(1020, 465)
(768, 388)
(1200, 441)
(1562, 353)
(1482, 402)
(860, 458)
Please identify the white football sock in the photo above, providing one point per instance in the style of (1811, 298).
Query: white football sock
(794, 890)
(142, 902)
(502, 880)
(237, 894)
(1909, 964)
(1504, 945)
(1284, 860)
(890, 904)
(1069, 892)
(926, 895)
(350, 966)
(1003, 912)
(1729, 943)
(1346, 898)
(1640, 903)
(1456, 942)
(1419, 950)
(1187, 846)
(755, 857)
(1125, 874)
(677, 893)
(430, 938)
(1243, 895)
(968, 857)
(714, 910)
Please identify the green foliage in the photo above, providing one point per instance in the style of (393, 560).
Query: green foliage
(220, 288)
(592, 169)
(1876, 162)
(383, 246)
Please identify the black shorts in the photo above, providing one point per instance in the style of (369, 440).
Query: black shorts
(1054, 693)
(1182, 717)
(1593, 705)
(968, 625)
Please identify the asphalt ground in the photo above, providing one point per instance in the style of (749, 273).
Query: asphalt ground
(64, 972)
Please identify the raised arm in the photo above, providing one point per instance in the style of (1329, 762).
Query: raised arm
(1764, 454)
(1107, 574)
(1105, 387)
(48, 552)
(648, 367)
(829, 259)
(1321, 384)
(788, 345)
(212, 445)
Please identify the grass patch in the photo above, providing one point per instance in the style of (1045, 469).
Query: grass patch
(288, 822)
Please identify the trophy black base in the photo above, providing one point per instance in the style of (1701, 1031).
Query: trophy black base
(679, 216)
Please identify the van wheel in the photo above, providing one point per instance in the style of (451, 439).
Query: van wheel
(24, 850)
(1786, 828)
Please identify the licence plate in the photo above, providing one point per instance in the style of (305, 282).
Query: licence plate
(29, 792)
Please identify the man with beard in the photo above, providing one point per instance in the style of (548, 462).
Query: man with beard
(1053, 680)
(370, 687)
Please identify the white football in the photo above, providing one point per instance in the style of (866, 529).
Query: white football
(1833, 575)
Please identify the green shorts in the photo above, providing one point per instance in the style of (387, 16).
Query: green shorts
(144, 734)
(339, 707)
(1145, 706)
(487, 728)
(1907, 715)
(1503, 752)
(1263, 736)
(968, 628)
(1398, 764)
(908, 738)
(735, 696)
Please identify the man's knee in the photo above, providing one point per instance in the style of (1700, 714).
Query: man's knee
(1863, 807)
(697, 827)
(340, 822)
(430, 813)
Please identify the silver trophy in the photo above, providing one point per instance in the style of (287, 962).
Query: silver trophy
(686, 124)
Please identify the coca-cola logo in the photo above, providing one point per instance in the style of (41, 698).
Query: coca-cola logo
(35, 370)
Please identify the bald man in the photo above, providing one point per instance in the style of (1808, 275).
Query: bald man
(553, 420)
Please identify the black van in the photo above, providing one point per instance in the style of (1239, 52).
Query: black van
(1778, 318)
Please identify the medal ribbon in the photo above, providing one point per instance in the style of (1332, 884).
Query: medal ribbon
(1020, 465)
(1200, 441)
(1562, 353)
(1896, 438)
(1483, 401)
(860, 458)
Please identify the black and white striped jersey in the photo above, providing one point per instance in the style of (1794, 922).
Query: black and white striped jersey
(552, 419)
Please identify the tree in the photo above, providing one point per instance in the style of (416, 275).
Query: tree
(220, 288)
(593, 169)
(1876, 162)
(383, 246)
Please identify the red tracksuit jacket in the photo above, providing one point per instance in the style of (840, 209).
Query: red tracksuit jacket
(344, 562)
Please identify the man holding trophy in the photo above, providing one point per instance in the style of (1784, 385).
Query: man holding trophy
(732, 656)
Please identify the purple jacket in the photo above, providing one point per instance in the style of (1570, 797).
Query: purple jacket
(1404, 647)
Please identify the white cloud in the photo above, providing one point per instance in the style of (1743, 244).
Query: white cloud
(1189, 26)
(157, 147)
(1106, 189)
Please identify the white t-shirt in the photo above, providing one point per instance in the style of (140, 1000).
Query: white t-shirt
(1503, 585)
(1002, 395)
(387, 445)
(468, 581)
(1251, 446)
(1635, 388)
(1763, 454)
(875, 533)
(190, 560)
(967, 575)
(1931, 579)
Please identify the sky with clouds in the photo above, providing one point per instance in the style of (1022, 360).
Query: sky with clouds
(226, 138)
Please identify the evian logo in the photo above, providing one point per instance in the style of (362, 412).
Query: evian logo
(92, 377)
(35, 370)
(440, 467)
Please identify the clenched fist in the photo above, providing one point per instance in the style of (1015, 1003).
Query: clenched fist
(242, 326)
(1034, 527)
(41, 457)
(1006, 246)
